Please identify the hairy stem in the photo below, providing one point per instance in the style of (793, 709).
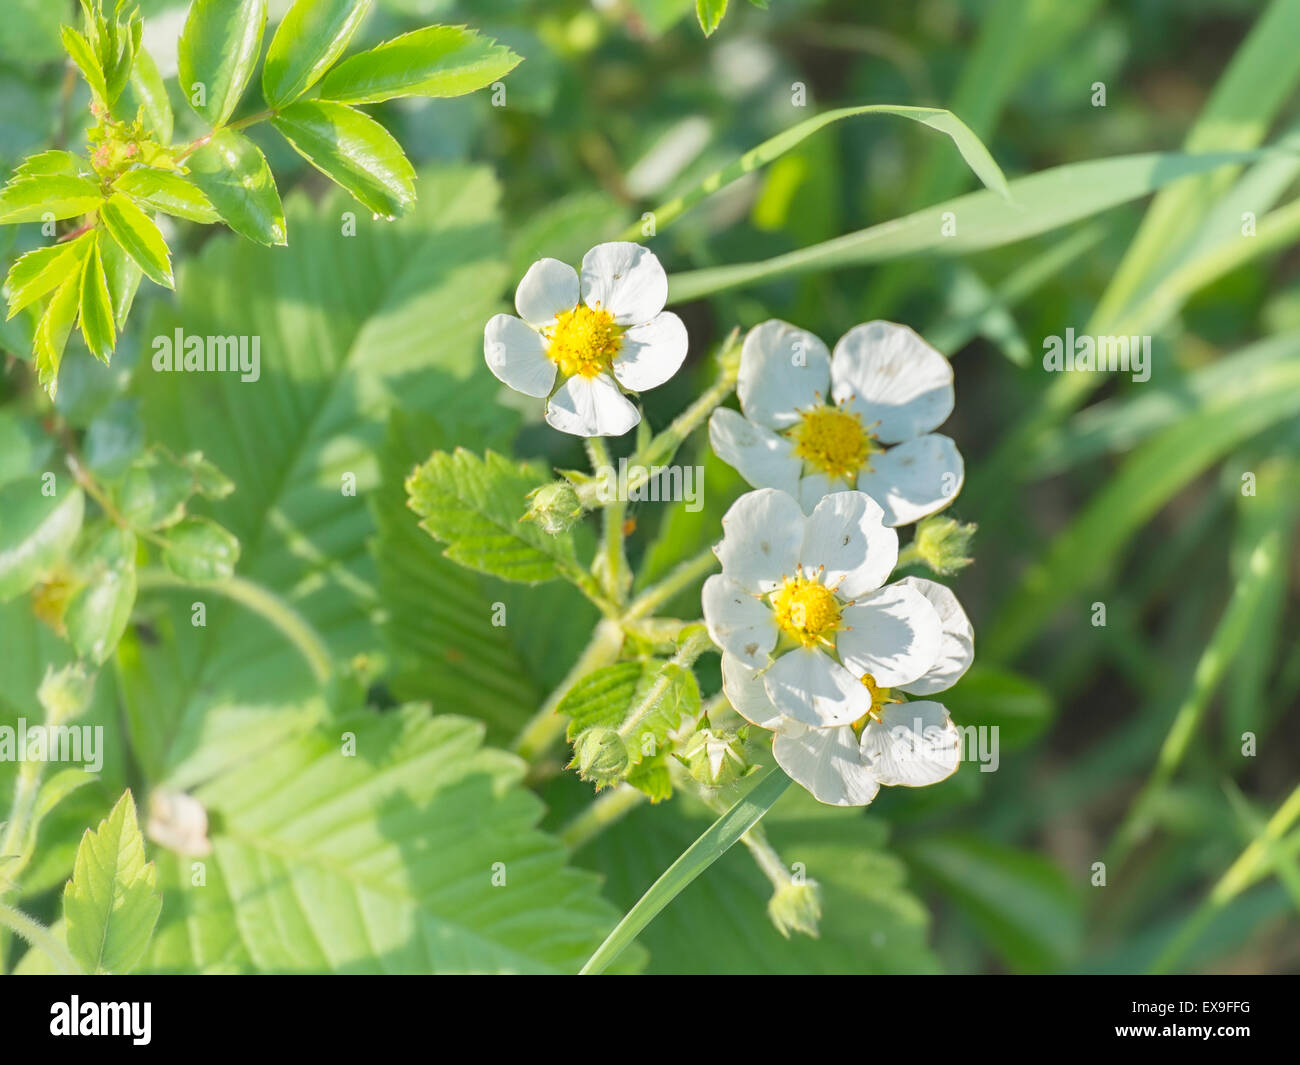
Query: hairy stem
(546, 725)
(39, 937)
(681, 577)
(608, 809)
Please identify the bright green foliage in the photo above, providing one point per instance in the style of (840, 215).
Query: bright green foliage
(111, 903)
(370, 844)
(135, 169)
(475, 505)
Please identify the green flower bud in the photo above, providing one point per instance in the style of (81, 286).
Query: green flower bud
(942, 543)
(555, 507)
(600, 756)
(796, 907)
(715, 758)
(65, 693)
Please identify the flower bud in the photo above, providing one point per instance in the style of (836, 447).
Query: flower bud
(65, 693)
(942, 543)
(796, 907)
(600, 756)
(554, 507)
(715, 757)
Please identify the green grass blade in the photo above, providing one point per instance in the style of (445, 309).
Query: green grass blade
(1083, 554)
(1039, 203)
(970, 146)
(706, 850)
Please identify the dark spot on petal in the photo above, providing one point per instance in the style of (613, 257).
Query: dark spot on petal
(751, 649)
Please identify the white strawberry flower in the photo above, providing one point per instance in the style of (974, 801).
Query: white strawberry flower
(600, 335)
(815, 422)
(814, 649)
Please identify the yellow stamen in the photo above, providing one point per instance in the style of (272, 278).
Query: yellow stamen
(584, 341)
(880, 698)
(834, 441)
(806, 609)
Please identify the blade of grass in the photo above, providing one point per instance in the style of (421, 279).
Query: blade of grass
(1086, 550)
(1039, 203)
(716, 841)
(970, 146)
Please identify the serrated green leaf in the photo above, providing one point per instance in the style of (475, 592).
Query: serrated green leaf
(200, 550)
(111, 904)
(169, 192)
(53, 330)
(323, 861)
(58, 196)
(310, 38)
(96, 316)
(36, 532)
(434, 61)
(98, 612)
(475, 506)
(150, 95)
(81, 53)
(353, 150)
(218, 52)
(49, 163)
(139, 237)
(710, 14)
(653, 696)
(123, 276)
(231, 171)
(37, 272)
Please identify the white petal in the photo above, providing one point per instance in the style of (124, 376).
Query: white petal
(957, 649)
(743, 687)
(828, 762)
(516, 355)
(782, 369)
(548, 288)
(813, 688)
(761, 534)
(896, 377)
(738, 621)
(764, 459)
(651, 353)
(626, 280)
(845, 534)
(895, 635)
(814, 487)
(915, 478)
(913, 744)
(591, 406)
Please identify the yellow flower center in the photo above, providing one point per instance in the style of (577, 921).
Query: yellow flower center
(806, 609)
(833, 441)
(583, 341)
(880, 698)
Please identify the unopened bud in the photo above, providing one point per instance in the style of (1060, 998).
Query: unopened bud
(942, 543)
(65, 693)
(554, 507)
(715, 757)
(600, 756)
(796, 907)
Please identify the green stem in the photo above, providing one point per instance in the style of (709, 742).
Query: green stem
(546, 725)
(611, 564)
(39, 937)
(26, 788)
(264, 603)
(608, 809)
(681, 577)
(695, 645)
(243, 123)
(909, 556)
(665, 444)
